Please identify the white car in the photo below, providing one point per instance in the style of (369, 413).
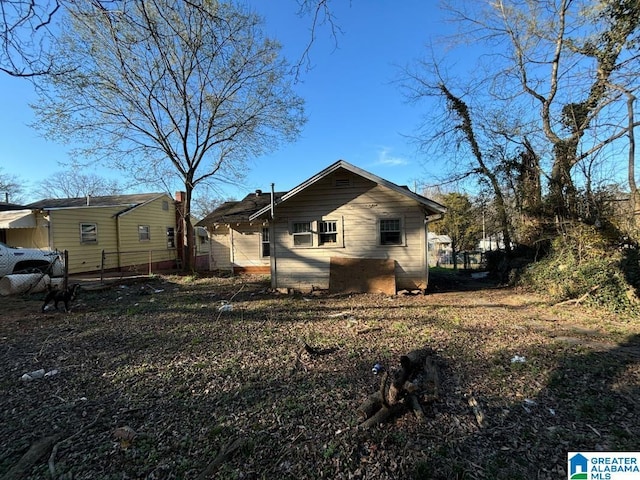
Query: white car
(29, 260)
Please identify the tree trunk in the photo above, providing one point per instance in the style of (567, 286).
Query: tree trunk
(189, 244)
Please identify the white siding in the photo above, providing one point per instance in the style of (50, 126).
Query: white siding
(237, 245)
(357, 207)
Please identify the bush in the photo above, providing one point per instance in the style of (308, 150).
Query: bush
(583, 260)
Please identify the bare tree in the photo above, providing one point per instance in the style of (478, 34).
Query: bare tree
(167, 89)
(73, 184)
(554, 63)
(11, 188)
(25, 36)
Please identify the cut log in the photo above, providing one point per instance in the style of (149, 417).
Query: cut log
(36, 452)
(381, 416)
(414, 403)
(370, 406)
(417, 379)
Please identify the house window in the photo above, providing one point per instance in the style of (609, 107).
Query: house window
(165, 205)
(328, 232)
(302, 236)
(266, 247)
(88, 233)
(143, 233)
(171, 237)
(390, 231)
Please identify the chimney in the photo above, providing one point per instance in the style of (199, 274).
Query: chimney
(180, 196)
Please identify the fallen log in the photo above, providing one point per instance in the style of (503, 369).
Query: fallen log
(579, 300)
(36, 452)
(371, 405)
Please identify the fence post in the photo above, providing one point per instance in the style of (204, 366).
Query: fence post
(150, 261)
(102, 267)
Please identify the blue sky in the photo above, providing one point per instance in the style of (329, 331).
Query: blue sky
(356, 110)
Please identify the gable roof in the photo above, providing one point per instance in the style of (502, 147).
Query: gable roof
(239, 211)
(430, 205)
(127, 201)
(5, 207)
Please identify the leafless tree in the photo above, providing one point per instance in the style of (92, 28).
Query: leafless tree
(170, 89)
(11, 188)
(74, 184)
(551, 75)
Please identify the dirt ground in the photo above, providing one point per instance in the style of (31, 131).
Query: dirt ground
(151, 380)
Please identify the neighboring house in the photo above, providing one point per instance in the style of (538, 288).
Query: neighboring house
(235, 243)
(344, 229)
(127, 231)
(439, 249)
(22, 227)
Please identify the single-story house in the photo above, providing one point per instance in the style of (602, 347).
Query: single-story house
(237, 244)
(344, 229)
(110, 232)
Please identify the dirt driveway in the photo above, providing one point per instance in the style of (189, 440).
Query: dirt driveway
(152, 380)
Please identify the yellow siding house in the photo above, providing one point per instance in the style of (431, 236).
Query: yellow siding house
(111, 232)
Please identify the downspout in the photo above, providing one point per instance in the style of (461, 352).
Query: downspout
(118, 241)
(49, 228)
(427, 219)
(272, 241)
(231, 249)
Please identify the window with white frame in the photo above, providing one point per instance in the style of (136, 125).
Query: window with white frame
(324, 233)
(266, 247)
(144, 233)
(327, 232)
(88, 233)
(302, 235)
(390, 231)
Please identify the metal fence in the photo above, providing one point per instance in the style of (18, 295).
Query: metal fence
(141, 262)
(472, 260)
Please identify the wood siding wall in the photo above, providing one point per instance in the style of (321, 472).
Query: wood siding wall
(238, 245)
(86, 257)
(137, 252)
(220, 248)
(357, 206)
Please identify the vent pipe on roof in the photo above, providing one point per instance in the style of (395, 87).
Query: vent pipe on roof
(88, 199)
(258, 192)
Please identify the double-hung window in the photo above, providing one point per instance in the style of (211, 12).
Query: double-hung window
(171, 237)
(266, 248)
(144, 233)
(324, 233)
(327, 232)
(302, 235)
(88, 233)
(390, 231)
